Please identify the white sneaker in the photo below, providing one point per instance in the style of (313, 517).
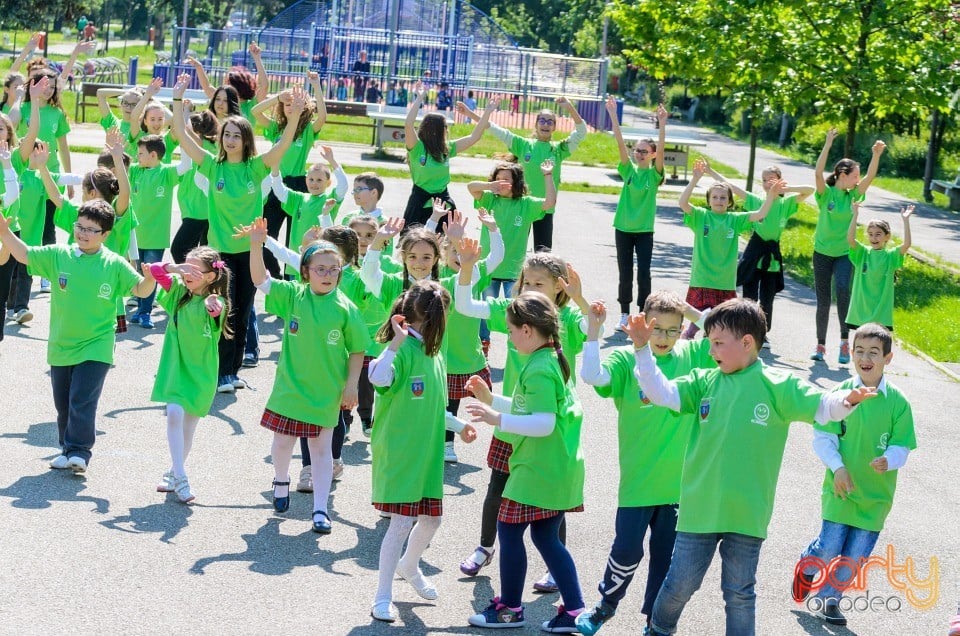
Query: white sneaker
(384, 611)
(182, 488)
(225, 384)
(423, 586)
(337, 469)
(23, 316)
(44, 285)
(59, 462)
(239, 383)
(305, 484)
(450, 455)
(166, 482)
(623, 321)
(77, 464)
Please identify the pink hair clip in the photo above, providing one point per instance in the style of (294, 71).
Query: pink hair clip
(219, 264)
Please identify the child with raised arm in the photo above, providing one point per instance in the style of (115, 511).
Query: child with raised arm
(637, 208)
(652, 442)
(862, 467)
(716, 232)
(428, 154)
(835, 195)
(744, 410)
(89, 282)
(195, 298)
(875, 266)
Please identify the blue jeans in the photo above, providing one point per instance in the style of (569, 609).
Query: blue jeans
(252, 345)
(145, 305)
(493, 291)
(692, 554)
(76, 393)
(837, 540)
(627, 552)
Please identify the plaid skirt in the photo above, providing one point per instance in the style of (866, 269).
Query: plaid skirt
(456, 383)
(516, 512)
(426, 506)
(498, 457)
(288, 426)
(366, 361)
(122, 324)
(706, 298)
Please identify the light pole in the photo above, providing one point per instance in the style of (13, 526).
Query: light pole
(184, 38)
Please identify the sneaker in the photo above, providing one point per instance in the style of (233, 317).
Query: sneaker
(225, 384)
(238, 382)
(801, 585)
(77, 464)
(337, 469)
(366, 427)
(421, 584)
(831, 614)
(562, 623)
(166, 482)
(623, 321)
(134, 319)
(44, 285)
(250, 360)
(485, 345)
(480, 558)
(146, 321)
(305, 483)
(844, 356)
(589, 622)
(819, 353)
(23, 316)
(546, 585)
(182, 487)
(449, 455)
(384, 611)
(498, 616)
(59, 462)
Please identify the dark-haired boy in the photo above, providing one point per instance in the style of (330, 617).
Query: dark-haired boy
(744, 410)
(88, 281)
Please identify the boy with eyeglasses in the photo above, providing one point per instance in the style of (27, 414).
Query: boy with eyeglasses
(652, 443)
(89, 280)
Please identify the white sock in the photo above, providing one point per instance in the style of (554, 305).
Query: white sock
(420, 538)
(321, 467)
(280, 453)
(175, 438)
(397, 532)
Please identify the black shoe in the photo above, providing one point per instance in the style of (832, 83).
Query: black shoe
(321, 525)
(281, 504)
(831, 614)
(802, 585)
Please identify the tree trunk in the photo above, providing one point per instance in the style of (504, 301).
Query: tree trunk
(851, 131)
(753, 148)
(933, 149)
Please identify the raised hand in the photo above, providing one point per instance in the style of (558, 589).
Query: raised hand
(183, 80)
(386, 233)
(39, 88)
(700, 167)
(482, 413)
(547, 167)
(327, 153)
(831, 135)
(595, 319)
(298, 101)
(240, 231)
(662, 115)
(400, 331)
(460, 108)
(154, 87)
(194, 62)
(328, 205)
(639, 330)
(456, 225)
(312, 235)
(254, 50)
(439, 209)
(572, 284)
(878, 148)
(487, 220)
(861, 394)
(778, 187)
(476, 385)
(4, 152)
(611, 105)
(258, 231)
(83, 48)
(907, 211)
(114, 141)
(469, 250)
(40, 155)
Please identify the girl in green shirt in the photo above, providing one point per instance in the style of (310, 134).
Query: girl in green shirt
(546, 468)
(241, 91)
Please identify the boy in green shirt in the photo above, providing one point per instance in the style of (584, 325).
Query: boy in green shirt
(744, 410)
(862, 466)
(89, 280)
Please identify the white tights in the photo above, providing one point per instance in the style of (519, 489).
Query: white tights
(181, 428)
(420, 530)
(321, 464)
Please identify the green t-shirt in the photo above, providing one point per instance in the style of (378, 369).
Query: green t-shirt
(736, 447)
(637, 206)
(546, 472)
(427, 172)
(836, 211)
(715, 243)
(514, 218)
(32, 203)
(463, 350)
(152, 192)
(190, 197)
(84, 295)
(294, 161)
(772, 225)
(118, 241)
(170, 142)
(371, 309)
(407, 442)
(111, 121)
(189, 360)
(53, 125)
(886, 420)
(236, 198)
(13, 212)
(652, 439)
(871, 298)
(531, 153)
(319, 334)
(304, 211)
(246, 109)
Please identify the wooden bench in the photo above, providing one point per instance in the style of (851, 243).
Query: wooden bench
(88, 97)
(952, 190)
(350, 109)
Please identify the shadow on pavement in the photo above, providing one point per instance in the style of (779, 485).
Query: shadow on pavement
(167, 518)
(40, 491)
(816, 627)
(41, 434)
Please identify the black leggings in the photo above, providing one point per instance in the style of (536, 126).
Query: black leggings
(275, 216)
(418, 212)
(242, 292)
(192, 232)
(491, 509)
(839, 270)
(628, 244)
(6, 275)
(762, 289)
(543, 236)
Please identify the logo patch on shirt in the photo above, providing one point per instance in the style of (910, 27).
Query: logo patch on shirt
(106, 291)
(864, 270)
(334, 336)
(730, 233)
(423, 160)
(417, 387)
(250, 187)
(220, 185)
(62, 281)
(705, 408)
(294, 325)
(518, 222)
(643, 398)
(884, 442)
(161, 192)
(761, 413)
(526, 158)
(706, 230)
(831, 206)
(520, 404)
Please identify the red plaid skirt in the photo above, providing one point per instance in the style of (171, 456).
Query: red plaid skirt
(288, 426)
(366, 361)
(516, 512)
(456, 383)
(706, 298)
(426, 506)
(121, 324)
(498, 457)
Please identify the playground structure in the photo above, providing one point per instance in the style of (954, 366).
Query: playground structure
(439, 42)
